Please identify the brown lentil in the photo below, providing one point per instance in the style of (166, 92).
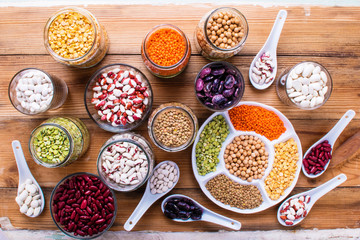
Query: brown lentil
(234, 194)
(173, 128)
(284, 169)
(225, 30)
(246, 157)
(71, 35)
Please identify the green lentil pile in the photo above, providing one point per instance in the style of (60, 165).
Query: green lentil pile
(234, 194)
(51, 144)
(209, 145)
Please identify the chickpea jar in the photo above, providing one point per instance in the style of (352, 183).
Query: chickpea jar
(74, 37)
(221, 33)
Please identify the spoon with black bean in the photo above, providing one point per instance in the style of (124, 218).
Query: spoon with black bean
(181, 208)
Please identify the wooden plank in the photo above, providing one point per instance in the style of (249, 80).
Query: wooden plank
(315, 31)
(337, 209)
(344, 96)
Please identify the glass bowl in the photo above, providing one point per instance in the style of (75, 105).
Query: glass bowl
(134, 140)
(165, 108)
(56, 198)
(121, 73)
(283, 90)
(58, 86)
(206, 97)
(165, 71)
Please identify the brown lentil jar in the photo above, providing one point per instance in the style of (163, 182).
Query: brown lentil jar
(173, 126)
(234, 194)
(246, 157)
(74, 37)
(221, 33)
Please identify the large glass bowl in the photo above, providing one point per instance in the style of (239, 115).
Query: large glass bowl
(93, 113)
(90, 175)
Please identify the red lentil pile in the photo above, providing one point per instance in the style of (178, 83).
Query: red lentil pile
(258, 119)
(166, 47)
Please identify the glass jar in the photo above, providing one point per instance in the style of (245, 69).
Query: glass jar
(51, 88)
(175, 67)
(85, 54)
(59, 141)
(131, 140)
(163, 133)
(283, 89)
(202, 34)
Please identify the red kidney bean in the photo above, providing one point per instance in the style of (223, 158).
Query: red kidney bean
(83, 205)
(315, 161)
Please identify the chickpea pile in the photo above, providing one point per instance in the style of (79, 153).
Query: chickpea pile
(246, 157)
(225, 30)
(71, 35)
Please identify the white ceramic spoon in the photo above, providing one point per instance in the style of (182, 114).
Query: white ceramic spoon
(314, 194)
(24, 172)
(207, 216)
(331, 137)
(148, 199)
(270, 46)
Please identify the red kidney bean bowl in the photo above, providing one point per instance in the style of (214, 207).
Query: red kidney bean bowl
(118, 97)
(83, 206)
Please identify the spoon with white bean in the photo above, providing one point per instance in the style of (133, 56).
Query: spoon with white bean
(263, 68)
(294, 209)
(30, 196)
(181, 208)
(164, 178)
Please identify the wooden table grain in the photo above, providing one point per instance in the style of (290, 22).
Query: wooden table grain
(328, 35)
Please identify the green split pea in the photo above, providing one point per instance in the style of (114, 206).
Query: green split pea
(51, 145)
(209, 144)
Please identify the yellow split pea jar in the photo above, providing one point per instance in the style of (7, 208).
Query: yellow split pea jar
(74, 37)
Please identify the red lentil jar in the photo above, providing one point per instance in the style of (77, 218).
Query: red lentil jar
(165, 51)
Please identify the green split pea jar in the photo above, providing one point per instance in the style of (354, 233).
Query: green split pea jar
(59, 141)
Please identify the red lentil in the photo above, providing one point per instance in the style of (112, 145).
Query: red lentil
(258, 119)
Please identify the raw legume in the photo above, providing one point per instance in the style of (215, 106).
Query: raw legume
(234, 194)
(166, 47)
(83, 205)
(258, 119)
(295, 208)
(209, 144)
(29, 199)
(124, 163)
(263, 69)
(182, 208)
(225, 30)
(173, 127)
(246, 157)
(316, 160)
(283, 170)
(71, 35)
(163, 178)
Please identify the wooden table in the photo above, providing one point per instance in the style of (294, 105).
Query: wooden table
(330, 36)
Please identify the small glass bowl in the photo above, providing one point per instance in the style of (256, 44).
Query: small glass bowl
(139, 142)
(60, 91)
(165, 71)
(99, 46)
(58, 224)
(210, 50)
(281, 86)
(172, 106)
(229, 69)
(89, 95)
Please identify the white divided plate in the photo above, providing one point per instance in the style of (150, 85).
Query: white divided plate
(269, 145)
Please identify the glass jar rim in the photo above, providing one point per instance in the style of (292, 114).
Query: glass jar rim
(242, 40)
(83, 12)
(189, 114)
(131, 141)
(42, 72)
(178, 30)
(68, 135)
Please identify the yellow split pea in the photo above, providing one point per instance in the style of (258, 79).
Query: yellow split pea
(71, 35)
